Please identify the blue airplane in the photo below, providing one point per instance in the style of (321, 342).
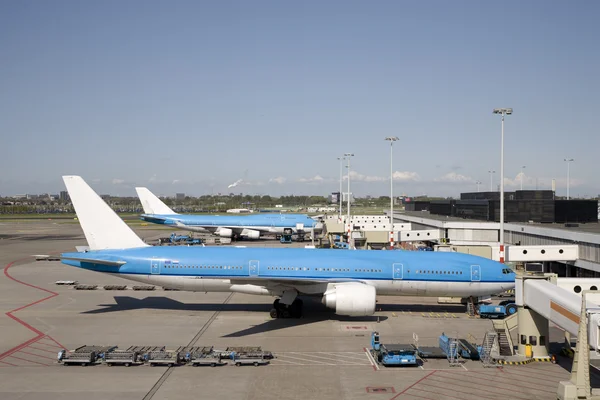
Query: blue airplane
(346, 281)
(240, 226)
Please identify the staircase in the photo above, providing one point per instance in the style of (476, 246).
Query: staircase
(503, 328)
(471, 309)
(505, 348)
(453, 352)
(489, 350)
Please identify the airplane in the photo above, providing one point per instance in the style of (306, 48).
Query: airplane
(239, 226)
(346, 281)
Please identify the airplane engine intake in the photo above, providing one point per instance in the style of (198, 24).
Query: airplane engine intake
(224, 232)
(351, 299)
(251, 234)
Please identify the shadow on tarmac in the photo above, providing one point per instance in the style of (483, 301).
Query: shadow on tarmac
(314, 312)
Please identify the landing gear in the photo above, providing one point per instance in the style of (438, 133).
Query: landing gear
(281, 310)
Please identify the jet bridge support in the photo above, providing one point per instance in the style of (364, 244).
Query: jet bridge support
(533, 331)
(578, 387)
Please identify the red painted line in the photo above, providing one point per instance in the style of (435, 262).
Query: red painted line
(24, 359)
(513, 379)
(483, 388)
(47, 351)
(419, 397)
(441, 394)
(54, 340)
(457, 392)
(13, 365)
(19, 347)
(535, 375)
(40, 343)
(39, 334)
(36, 355)
(414, 384)
(545, 371)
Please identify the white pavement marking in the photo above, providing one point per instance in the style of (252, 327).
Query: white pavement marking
(291, 362)
(354, 356)
(308, 360)
(371, 359)
(327, 358)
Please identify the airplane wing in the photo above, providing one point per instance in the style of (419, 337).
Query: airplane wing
(302, 285)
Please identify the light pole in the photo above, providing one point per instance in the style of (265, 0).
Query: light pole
(491, 180)
(392, 139)
(503, 112)
(341, 194)
(348, 155)
(478, 183)
(569, 161)
(522, 168)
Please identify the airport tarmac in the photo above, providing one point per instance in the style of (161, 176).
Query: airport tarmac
(321, 356)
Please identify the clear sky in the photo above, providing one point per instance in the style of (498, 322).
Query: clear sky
(191, 96)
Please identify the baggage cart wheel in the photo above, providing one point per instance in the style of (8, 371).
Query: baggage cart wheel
(237, 364)
(255, 364)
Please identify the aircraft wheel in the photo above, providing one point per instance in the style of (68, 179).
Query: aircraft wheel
(273, 313)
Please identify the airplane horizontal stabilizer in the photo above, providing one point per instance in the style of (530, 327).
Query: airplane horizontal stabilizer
(95, 261)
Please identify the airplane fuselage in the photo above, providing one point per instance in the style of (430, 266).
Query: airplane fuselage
(263, 223)
(309, 271)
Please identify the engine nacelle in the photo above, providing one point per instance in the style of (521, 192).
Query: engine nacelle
(224, 232)
(352, 299)
(251, 234)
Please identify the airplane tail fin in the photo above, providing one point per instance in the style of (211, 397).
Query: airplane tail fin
(151, 203)
(102, 227)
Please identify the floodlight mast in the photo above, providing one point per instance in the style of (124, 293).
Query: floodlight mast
(503, 112)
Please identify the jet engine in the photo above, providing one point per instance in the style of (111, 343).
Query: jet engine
(224, 232)
(251, 233)
(352, 299)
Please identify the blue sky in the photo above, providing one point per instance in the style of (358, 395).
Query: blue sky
(191, 96)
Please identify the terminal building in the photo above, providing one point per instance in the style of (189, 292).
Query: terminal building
(536, 226)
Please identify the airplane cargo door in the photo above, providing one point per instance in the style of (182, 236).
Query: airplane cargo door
(475, 273)
(155, 267)
(397, 270)
(253, 268)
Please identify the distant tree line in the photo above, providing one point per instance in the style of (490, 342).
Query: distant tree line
(205, 203)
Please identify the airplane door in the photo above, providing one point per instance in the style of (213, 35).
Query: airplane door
(475, 273)
(155, 267)
(253, 268)
(397, 268)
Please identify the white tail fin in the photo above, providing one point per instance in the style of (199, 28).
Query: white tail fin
(102, 227)
(151, 203)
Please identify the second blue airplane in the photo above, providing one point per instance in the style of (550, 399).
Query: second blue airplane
(239, 226)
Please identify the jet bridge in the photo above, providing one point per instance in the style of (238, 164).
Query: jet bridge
(573, 305)
(557, 300)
